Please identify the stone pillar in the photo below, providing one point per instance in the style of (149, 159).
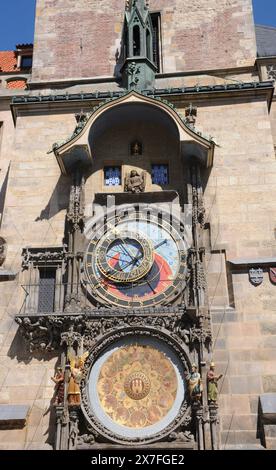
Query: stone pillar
(59, 416)
(198, 413)
(213, 413)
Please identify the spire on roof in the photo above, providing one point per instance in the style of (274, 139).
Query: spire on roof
(139, 70)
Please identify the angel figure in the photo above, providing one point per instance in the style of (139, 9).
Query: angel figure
(76, 371)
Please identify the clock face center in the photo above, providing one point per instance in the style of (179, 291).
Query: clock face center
(124, 257)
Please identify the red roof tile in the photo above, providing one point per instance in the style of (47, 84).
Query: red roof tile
(8, 61)
(17, 84)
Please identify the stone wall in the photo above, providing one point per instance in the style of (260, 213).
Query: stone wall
(239, 196)
(83, 39)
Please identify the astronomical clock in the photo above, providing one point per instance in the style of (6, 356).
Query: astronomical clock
(136, 262)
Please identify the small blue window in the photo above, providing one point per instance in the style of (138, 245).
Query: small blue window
(160, 174)
(112, 176)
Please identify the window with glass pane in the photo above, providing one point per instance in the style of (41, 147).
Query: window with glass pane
(112, 176)
(26, 62)
(160, 174)
(46, 294)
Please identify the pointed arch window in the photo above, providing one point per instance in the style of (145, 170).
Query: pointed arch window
(156, 39)
(149, 45)
(136, 41)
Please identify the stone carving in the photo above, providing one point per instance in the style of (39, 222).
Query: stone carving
(271, 72)
(41, 255)
(75, 213)
(133, 70)
(136, 148)
(36, 333)
(197, 198)
(135, 183)
(81, 119)
(3, 250)
(73, 429)
(44, 333)
(85, 440)
(58, 379)
(72, 339)
(48, 332)
(190, 116)
(212, 384)
(213, 413)
(194, 384)
(201, 334)
(256, 276)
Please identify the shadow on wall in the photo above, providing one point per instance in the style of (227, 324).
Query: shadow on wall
(58, 201)
(3, 193)
(19, 350)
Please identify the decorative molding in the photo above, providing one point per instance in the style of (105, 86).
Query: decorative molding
(49, 255)
(49, 332)
(75, 213)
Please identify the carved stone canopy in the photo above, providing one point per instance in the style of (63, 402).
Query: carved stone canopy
(79, 147)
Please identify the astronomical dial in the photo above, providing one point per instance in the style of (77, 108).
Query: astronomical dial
(136, 262)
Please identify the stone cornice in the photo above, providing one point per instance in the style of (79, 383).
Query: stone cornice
(29, 103)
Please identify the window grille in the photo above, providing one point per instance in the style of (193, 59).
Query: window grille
(160, 174)
(112, 176)
(46, 294)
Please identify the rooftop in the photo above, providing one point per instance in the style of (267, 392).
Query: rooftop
(8, 61)
(266, 40)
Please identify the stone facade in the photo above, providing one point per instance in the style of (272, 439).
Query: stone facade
(195, 36)
(239, 188)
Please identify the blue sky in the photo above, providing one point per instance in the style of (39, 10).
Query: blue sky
(17, 20)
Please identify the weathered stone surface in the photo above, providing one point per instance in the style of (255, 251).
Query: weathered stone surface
(190, 41)
(269, 383)
(268, 407)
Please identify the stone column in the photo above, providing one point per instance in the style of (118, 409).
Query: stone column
(59, 416)
(213, 412)
(198, 413)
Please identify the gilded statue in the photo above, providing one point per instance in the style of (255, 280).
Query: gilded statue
(75, 377)
(194, 384)
(212, 384)
(135, 183)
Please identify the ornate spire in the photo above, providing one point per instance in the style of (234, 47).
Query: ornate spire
(138, 71)
(140, 4)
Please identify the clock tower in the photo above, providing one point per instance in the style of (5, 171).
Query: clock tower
(136, 245)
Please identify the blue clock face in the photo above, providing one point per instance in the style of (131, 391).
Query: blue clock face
(137, 262)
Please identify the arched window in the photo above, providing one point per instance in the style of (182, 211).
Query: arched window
(126, 44)
(136, 41)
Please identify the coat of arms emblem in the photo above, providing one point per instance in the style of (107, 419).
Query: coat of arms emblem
(272, 275)
(256, 276)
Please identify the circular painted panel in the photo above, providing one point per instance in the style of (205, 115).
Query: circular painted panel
(136, 388)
